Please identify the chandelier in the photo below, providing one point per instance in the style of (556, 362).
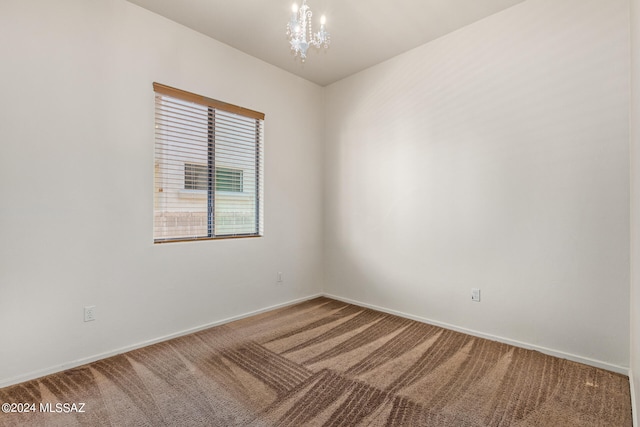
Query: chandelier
(301, 35)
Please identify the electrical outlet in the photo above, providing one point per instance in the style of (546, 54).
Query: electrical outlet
(280, 278)
(475, 294)
(89, 313)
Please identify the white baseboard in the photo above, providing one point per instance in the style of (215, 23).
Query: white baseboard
(550, 352)
(74, 364)
(51, 370)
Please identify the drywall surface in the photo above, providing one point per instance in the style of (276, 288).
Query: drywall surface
(635, 206)
(495, 157)
(76, 184)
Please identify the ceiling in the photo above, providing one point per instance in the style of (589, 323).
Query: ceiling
(363, 33)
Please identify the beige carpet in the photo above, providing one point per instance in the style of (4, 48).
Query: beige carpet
(327, 363)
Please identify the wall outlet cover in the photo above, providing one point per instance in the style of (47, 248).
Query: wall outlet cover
(89, 313)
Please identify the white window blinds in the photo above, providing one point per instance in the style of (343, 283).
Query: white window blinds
(208, 168)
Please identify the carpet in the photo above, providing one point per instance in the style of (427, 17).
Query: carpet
(325, 363)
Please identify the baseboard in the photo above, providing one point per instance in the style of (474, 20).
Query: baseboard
(550, 352)
(54, 369)
(634, 408)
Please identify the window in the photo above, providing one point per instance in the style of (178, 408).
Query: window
(196, 178)
(229, 180)
(208, 168)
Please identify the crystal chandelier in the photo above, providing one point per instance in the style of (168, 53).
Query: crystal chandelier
(301, 35)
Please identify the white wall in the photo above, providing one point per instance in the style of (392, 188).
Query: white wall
(76, 184)
(635, 207)
(494, 157)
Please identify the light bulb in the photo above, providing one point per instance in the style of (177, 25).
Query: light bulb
(294, 8)
(323, 20)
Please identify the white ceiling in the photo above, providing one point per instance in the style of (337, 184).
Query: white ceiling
(363, 33)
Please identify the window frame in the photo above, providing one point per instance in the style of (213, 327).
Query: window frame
(212, 170)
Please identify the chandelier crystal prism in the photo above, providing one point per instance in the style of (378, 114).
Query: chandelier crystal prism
(300, 33)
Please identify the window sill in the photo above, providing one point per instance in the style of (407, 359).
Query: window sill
(192, 194)
(198, 239)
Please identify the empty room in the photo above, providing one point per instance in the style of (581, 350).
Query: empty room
(345, 213)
